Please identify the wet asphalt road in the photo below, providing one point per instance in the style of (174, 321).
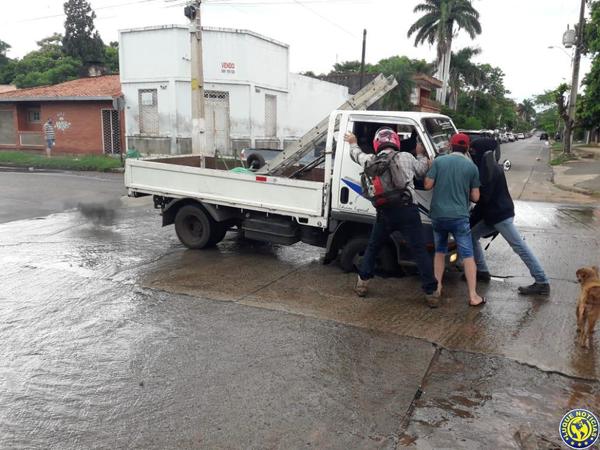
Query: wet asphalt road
(25, 194)
(115, 336)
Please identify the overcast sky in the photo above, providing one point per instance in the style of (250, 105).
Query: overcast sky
(516, 33)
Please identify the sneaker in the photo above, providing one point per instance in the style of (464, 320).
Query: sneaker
(361, 287)
(481, 276)
(535, 289)
(433, 299)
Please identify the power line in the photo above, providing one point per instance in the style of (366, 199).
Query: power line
(54, 16)
(326, 19)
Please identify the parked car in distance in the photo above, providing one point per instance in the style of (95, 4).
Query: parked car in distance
(544, 137)
(511, 137)
(476, 134)
(521, 136)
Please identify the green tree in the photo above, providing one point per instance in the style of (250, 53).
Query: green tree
(111, 57)
(441, 21)
(347, 67)
(47, 65)
(82, 41)
(548, 117)
(588, 109)
(403, 69)
(4, 48)
(6, 64)
(463, 73)
(527, 110)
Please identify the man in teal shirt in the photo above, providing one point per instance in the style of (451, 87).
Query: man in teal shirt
(455, 183)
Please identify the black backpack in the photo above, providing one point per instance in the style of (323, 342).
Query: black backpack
(378, 184)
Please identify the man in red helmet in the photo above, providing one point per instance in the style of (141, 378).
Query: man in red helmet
(455, 183)
(401, 214)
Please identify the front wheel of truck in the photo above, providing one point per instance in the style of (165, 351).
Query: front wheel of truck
(352, 254)
(196, 229)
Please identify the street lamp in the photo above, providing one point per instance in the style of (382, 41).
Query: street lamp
(553, 47)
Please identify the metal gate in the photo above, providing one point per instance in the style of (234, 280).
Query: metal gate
(217, 121)
(111, 131)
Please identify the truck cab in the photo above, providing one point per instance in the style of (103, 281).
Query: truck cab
(351, 214)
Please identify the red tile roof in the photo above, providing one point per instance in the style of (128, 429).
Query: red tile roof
(96, 88)
(6, 88)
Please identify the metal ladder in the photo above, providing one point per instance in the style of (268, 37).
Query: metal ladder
(359, 101)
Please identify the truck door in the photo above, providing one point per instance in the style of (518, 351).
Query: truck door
(347, 200)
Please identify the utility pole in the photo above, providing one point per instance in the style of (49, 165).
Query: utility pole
(362, 61)
(568, 137)
(192, 12)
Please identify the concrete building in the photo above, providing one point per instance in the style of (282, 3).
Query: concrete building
(84, 112)
(420, 96)
(252, 100)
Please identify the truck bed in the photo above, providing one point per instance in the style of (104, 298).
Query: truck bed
(182, 177)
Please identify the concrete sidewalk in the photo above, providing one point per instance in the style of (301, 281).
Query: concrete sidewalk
(581, 175)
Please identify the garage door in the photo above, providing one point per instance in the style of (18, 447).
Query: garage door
(8, 136)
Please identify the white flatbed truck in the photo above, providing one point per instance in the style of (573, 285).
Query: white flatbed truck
(318, 205)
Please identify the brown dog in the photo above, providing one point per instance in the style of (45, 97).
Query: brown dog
(588, 305)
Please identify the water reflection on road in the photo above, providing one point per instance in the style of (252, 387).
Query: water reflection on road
(108, 339)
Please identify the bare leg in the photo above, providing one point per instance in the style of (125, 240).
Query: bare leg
(439, 265)
(48, 151)
(471, 275)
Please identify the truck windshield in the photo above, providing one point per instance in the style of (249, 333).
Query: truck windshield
(439, 130)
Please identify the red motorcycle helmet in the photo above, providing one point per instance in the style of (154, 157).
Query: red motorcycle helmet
(384, 138)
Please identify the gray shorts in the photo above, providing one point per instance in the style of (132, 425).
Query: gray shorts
(49, 143)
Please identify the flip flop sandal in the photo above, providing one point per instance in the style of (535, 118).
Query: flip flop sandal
(483, 302)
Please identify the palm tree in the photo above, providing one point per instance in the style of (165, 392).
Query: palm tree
(463, 72)
(437, 26)
(527, 110)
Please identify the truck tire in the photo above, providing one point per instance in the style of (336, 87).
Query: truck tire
(196, 229)
(255, 161)
(218, 233)
(353, 251)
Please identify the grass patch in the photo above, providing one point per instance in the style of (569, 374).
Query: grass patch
(561, 158)
(99, 163)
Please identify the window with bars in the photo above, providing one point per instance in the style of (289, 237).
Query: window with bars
(111, 131)
(33, 115)
(148, 102)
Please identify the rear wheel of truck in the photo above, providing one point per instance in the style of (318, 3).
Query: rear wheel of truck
(196, 229)
(352, 254)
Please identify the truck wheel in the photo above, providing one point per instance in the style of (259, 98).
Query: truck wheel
(194, 227)
(255, 161)
(219, 231)
(354, 250)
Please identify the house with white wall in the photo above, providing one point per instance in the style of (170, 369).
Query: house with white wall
(251, 98)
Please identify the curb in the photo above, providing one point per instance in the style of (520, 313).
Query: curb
(574, 189)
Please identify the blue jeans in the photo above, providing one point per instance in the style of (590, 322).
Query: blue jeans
(407, 220)
(510, 233)
(460, 229)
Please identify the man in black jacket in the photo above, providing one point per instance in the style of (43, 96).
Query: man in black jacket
(495, 212)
